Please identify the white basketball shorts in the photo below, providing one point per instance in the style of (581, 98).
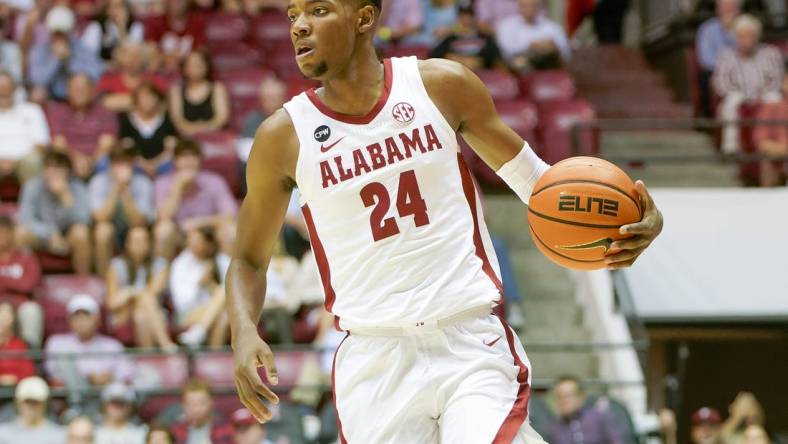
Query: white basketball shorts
(467, 383)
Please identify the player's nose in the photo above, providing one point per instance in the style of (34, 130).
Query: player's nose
(300, 27)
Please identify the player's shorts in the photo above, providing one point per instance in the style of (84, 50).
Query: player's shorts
(466, 383)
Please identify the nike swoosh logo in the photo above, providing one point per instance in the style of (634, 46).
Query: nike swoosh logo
(324, 149)
(601, 243)
(490, 344)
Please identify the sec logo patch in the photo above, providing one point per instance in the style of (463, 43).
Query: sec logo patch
(403, 112)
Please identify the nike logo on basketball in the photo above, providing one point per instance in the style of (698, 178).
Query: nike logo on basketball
(325, 149)
(601, 243)
(491, 343)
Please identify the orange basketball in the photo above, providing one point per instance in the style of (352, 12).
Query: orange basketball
(577, 208)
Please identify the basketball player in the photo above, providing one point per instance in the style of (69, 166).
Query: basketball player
(398, 235)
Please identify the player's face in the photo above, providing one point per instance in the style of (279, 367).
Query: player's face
(323, 33)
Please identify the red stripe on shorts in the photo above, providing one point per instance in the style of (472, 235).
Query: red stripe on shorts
(342, 439)
(519, 412)
(470, 194)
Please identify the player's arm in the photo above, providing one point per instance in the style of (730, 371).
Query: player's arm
(467, 105)
(270, 173)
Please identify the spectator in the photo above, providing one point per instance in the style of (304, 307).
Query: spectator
(10, 54)
(31, 425)
(247, 429)
(136, 282)
(745, 411)
(159, 435)
(489, 12)
(529, 40)
(197, 289)
(595, 424)
(117, 86)
(114, 24)
(714, 37)
(117, 408)
(30, 27)
(402, 20)
(82, 126)
(23, 133)
(468, 45)
(176, 33)
(54, 213)
(706, 426)
(273, 94)
(199, 423)
(149, 130)
(120, 200)
(12, 368)
(190, 198)
(200, 104)
(750, 72)
(20, 274)
(102, 364)
(772, 140)
(53, 61)
(440, 16)
(80, 431)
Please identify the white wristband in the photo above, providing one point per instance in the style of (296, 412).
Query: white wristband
(522, 172)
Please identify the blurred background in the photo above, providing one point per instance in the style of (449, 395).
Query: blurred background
(124, 129)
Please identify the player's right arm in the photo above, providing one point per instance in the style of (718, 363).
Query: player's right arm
(270, 178)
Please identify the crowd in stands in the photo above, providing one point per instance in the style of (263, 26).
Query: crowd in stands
(739, 76)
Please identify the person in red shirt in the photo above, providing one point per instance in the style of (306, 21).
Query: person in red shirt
(199, 417)
(20, 274)
(15, 367)
(116, 87)
(179, 31)
(82, 127)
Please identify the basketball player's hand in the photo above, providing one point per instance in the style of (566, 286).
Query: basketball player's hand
(624, 253)
(250, 353)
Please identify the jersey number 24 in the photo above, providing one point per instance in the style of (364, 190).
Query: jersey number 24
(409, 203)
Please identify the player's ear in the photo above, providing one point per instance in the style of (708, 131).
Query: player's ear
(366, 19)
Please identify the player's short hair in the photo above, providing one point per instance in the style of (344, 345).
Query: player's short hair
(376, 3)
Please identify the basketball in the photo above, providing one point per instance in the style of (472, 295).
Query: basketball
(577, 208)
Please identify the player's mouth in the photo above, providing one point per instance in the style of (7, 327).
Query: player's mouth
(304, 50)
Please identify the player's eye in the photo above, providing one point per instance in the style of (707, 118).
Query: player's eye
(320, 11)
(292, 18)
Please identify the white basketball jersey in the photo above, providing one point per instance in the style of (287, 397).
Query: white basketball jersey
(394, 218)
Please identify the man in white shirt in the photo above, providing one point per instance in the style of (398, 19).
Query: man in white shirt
(31, 424)
(23, 133)
(530, 38)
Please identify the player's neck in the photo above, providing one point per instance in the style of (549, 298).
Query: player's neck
(357, 88)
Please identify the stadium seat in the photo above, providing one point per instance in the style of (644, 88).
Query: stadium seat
(421, 52)
(8, 209)
(520, 115)
(230, 56)
(56, 291)
(281, 59)
(296, 86)
(216, 367)
(555, 122)
(150, 408)
(54, 264)
(501, 84)
(9, 189)
(243, 87)
(219, 156)
(226, 27)
(546, 86)
(749, 172)
(270, 29)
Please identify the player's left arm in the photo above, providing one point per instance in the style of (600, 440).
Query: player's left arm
(466, 104)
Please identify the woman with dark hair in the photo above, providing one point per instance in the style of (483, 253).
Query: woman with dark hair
(135, 283)
(148, 128)
(200, 103)
(12, 368)
(112, 25)
(197, 289)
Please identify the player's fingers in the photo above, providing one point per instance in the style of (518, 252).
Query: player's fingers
(266, 359)
(645, 196)
(623, 257)
(251, 401)
(630, 244)
(644, 227)
(256, 384)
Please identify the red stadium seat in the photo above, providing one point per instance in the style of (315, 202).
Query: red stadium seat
(230, 56)
(296, 86)
(520, 115)
(8, 209)
(546, 86)
(281, 59)
(53, 263)
(749, 172)
(9, 189)
(270, 28)
(162, 371)
(226, 27)
(56, 291)
(421, 52)
(243, 86)
(153, 406)
(220, 157)
(501, 84)
(556, 121)
(217, 367)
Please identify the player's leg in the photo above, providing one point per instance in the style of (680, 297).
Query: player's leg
(381, 392)
(487, 385)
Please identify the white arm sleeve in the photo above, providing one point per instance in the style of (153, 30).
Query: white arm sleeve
(522, 172)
